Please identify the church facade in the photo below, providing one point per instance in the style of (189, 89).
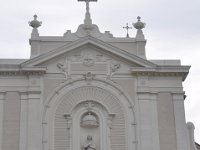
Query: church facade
(92, 91)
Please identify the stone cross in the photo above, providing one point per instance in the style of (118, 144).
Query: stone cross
(88, 20)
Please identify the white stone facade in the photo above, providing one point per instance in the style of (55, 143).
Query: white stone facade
(138, 104)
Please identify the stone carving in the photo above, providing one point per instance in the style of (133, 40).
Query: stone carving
(35, 24)
(89, 62)
(89, 105)
(88, 59)
(113, 69)
(63, 69)
(89, 145)
(139, 26)
(89, 76)
(89, 120)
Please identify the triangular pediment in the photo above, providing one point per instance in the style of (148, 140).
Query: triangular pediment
(85, 43)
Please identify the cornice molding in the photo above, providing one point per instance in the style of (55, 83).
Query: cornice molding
(2, 95)
(18, 71)
(162, 71)
(88, 40)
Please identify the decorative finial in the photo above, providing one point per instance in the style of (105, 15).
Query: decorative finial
(138, 18)
(88, 20)
(127, 28)
(35, 24)
(139, 26)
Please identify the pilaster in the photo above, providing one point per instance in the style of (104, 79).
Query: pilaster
(148, 119)
(34, 136)
(2, 98)
(180, 124)
(149, 135)
(24, 120)
(35, 48)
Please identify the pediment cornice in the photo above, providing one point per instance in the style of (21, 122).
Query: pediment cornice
(17, 70)
(95, 42)
(181, 71)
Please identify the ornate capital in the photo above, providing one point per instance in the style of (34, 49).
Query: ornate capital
(69, 120)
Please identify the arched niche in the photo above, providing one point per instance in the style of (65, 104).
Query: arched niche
(99, 130)
(65, 105)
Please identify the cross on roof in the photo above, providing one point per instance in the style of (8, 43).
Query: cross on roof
(88, 20)
(127, 28)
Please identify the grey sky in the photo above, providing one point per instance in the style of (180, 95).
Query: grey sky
(172, 31)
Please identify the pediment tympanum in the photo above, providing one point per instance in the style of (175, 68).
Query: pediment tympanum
(88, 55)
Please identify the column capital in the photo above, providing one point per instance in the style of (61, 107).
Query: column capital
(2, 95)
(24, 95)
(147, 95)
(178, 96)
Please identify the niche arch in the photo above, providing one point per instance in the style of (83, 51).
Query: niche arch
(57, 132)
(100, 132)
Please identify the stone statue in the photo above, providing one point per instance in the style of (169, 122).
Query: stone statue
(89, 145)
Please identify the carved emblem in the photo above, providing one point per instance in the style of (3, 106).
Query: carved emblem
(114, 68)
(89, 105)
(63, 69)
(89, 76)
(88, 59)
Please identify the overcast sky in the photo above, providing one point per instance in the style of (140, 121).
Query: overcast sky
(172, 31)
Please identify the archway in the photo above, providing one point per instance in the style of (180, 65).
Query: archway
(113, 110)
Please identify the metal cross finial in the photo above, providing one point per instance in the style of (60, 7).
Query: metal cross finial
(127, 28)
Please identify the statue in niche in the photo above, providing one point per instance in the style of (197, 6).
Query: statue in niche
(89, 145)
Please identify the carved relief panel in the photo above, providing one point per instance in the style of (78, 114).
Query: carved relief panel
(88, 61)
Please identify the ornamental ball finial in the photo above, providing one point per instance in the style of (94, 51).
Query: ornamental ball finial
(139, 25)
(138, 18)
(35, 17)
(35, 23)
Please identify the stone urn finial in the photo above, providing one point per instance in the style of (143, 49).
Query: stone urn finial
(35, 24)
(139, 25)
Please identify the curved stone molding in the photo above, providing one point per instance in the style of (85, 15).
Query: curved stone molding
(105, 94)
(98, 95)
(82, 82)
